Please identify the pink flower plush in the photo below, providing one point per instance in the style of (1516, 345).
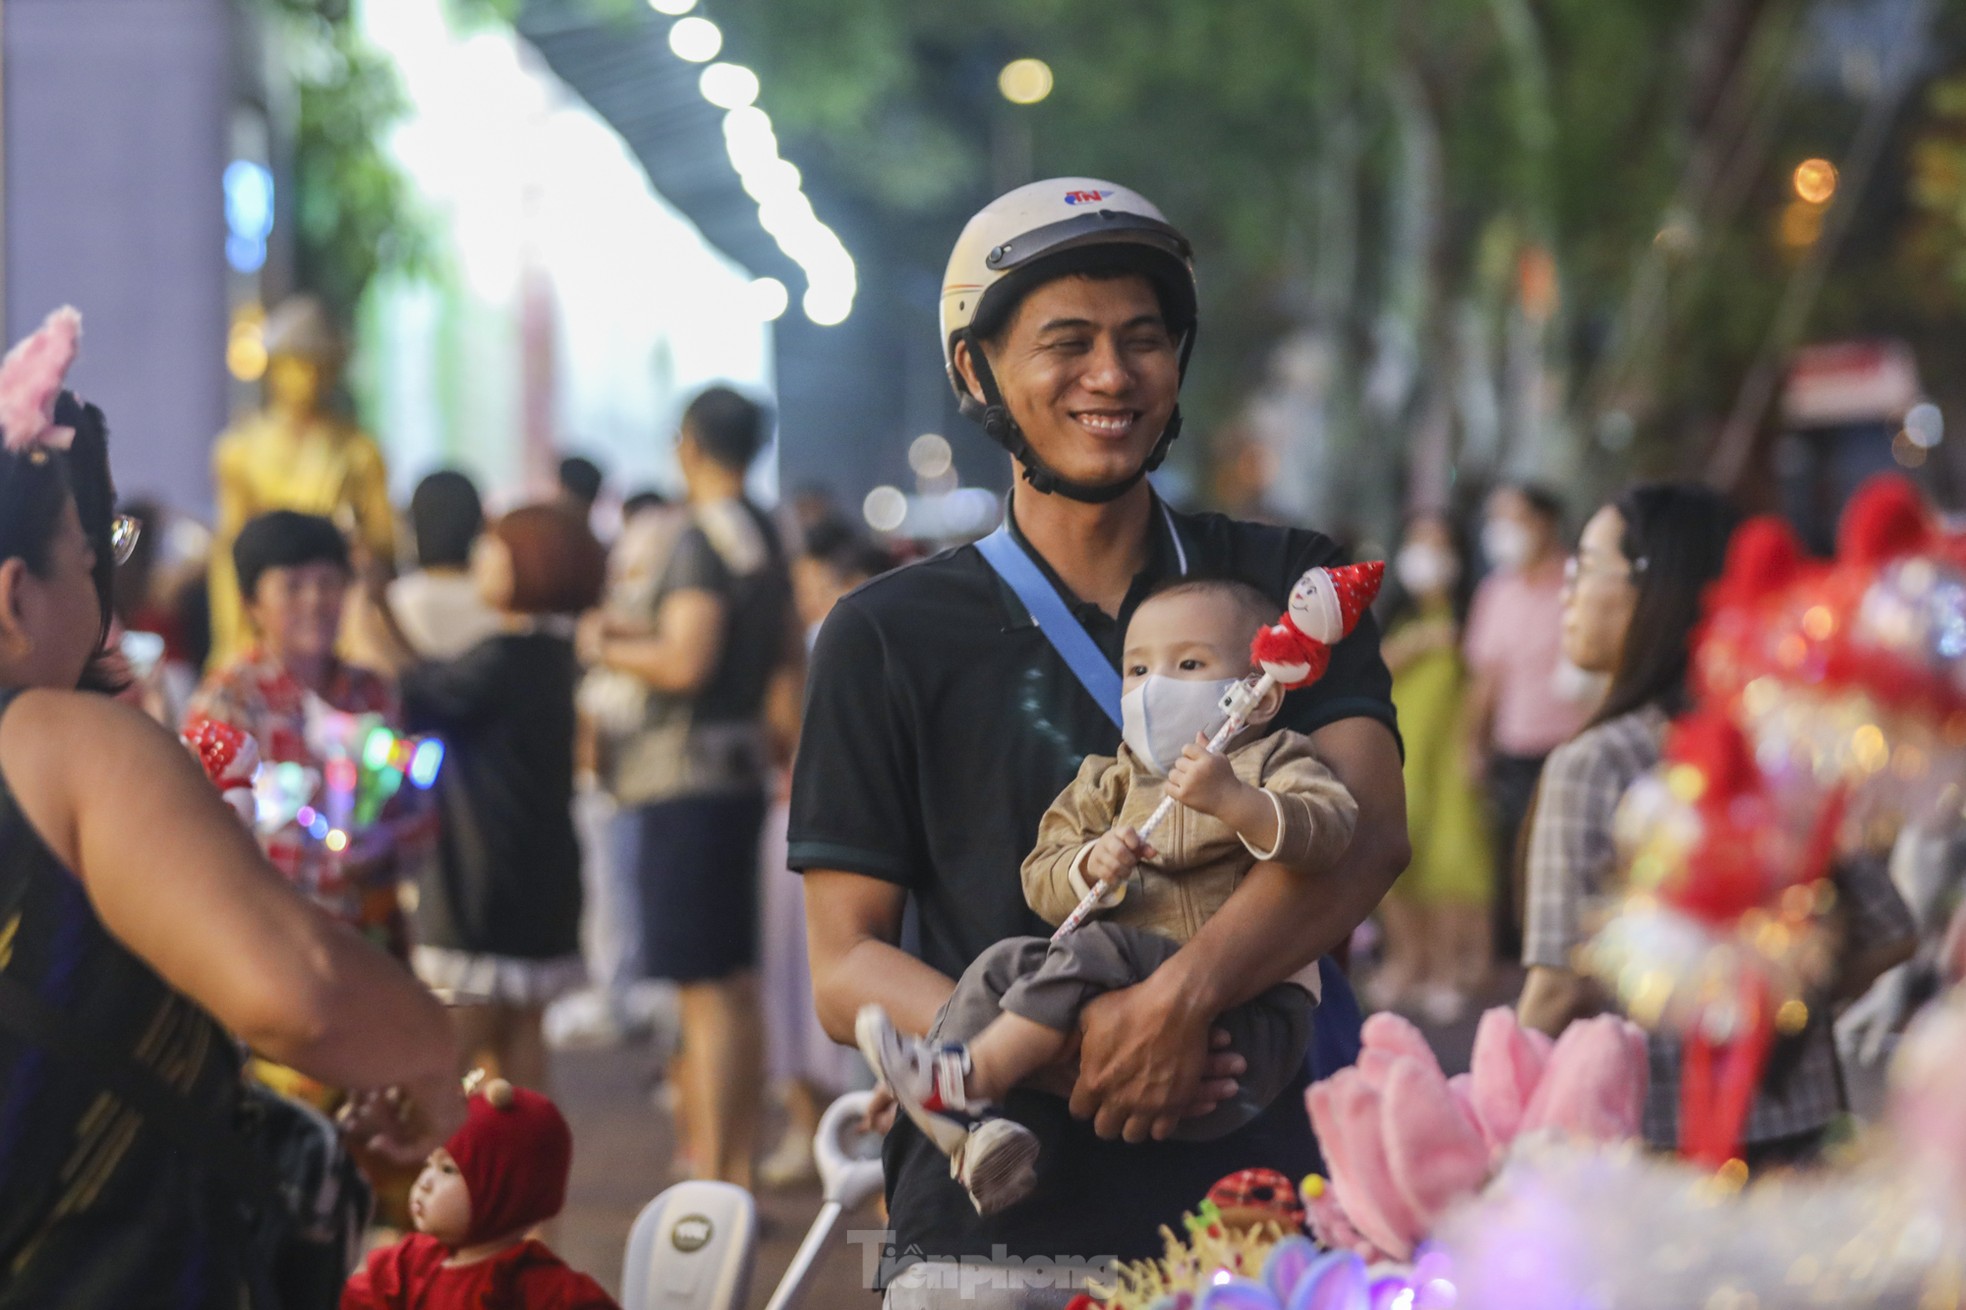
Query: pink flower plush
(30, 381)
(1594, 1086)
(1348, 1114)
(1508, 1063)
(1404, 1143)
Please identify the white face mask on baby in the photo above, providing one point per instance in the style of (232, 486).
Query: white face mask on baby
(1162, 715)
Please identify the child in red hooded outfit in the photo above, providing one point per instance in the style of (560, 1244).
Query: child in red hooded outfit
(499, 1175)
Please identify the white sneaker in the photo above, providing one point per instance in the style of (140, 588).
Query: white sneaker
(927, 1081)
(996, 1164)
(584, 1021)
(1442, 1005)
(790, 1163)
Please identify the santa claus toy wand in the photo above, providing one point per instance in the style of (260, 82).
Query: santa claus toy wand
(1293, 652)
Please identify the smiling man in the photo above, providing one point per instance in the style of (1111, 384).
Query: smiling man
(942, 720)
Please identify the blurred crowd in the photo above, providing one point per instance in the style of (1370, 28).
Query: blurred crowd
(615, 680)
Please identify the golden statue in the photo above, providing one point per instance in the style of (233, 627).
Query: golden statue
(296, 455)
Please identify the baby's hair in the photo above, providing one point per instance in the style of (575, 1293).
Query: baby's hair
(1251, 604)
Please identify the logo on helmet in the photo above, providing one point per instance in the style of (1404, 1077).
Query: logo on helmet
(1085, 197)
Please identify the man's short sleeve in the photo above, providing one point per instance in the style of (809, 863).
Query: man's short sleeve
(1356, 686)
(855, 804)
(696, 566)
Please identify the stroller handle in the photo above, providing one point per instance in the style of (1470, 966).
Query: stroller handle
(845, 1177)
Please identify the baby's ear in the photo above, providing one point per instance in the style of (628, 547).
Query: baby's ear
(1267, 707)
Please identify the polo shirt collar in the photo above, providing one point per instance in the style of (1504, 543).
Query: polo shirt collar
(1168, 555)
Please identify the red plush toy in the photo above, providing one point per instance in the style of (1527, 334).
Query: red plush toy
(1325, 606)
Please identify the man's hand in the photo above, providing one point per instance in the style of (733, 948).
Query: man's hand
(1114, 857)
(1206, 782)
(1144, 1056)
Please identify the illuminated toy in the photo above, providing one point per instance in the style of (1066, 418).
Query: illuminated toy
(1218, 1266)
(1832, 710)
(364, 764)
(1885, 1229)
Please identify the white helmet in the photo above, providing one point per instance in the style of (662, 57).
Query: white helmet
(1030, 236)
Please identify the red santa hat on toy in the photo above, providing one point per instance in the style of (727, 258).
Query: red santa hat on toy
(1325, 606)
(514, 1153)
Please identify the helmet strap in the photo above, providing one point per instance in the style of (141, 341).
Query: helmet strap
(1001, 428)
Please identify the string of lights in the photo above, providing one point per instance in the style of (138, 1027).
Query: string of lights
(774, 182)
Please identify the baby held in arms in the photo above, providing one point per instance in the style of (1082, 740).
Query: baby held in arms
(1266, 797)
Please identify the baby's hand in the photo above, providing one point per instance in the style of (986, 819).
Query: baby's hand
(1202, 780)
(1113, 857)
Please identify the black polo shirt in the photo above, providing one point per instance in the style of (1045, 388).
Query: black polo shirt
(939, 725)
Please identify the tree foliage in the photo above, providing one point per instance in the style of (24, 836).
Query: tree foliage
(1568, 205)
(354, 214)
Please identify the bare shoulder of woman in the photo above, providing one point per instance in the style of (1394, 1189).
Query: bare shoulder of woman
(177, 879)
(60, 750)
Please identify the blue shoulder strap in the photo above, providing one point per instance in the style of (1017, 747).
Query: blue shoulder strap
(1048, 610)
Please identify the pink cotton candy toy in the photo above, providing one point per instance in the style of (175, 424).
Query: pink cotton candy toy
(1405, 1144)
(30, 381)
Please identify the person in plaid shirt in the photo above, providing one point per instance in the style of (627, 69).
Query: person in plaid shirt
(294, 573)
(1631, 602)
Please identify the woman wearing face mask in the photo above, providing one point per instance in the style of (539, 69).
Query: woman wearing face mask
(1631, 603)
(139, 924)
(1435, 917)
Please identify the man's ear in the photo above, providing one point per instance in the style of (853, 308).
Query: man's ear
(1268, 707)
(14, 636)
(966, 369)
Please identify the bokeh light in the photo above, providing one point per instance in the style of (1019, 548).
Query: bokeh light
(787, 216)
(884, 509)
(1025, 81)
(1815, 181)
(929, 455)
(769, 299)
(245, 344)
(728, 86)
(1925, 426)
(696, 39)
(672, 7)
